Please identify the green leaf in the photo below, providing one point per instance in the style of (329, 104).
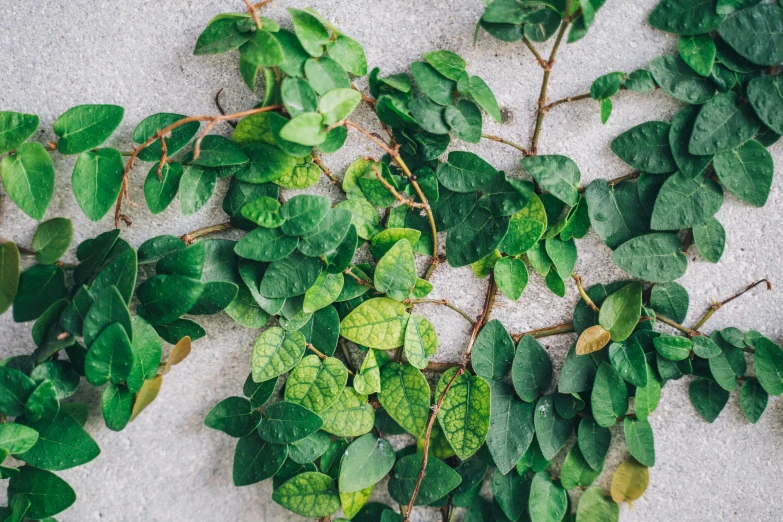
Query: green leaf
(15, 389)
(620, 312)
(223, 34)
(9, 274)
(234, 416)
(665, 249)
(363, 216)
(708, 398)
(641, 80)
(429, 115)
(263, 211)
(464, 413)
(303, 214)
(421, 341)
(196, 187)
(647, 398)
(755, 34)
(710, 239)
(350, 416)
(262, 50)
(164, 298)
(326, 75)
(439, 479)
(308, 449)
(768, 365)
(175, 140)
(107, 309)
(552, 430)
(531, 371)
(39, 287)
(117, 406)
(405, 394)
(670, 300)
(316, 384)
(433, 84)
(395, 274)
(286, 422)
(510, 427)
(337, 104)
(475, 238)
(563, 255)
(17, 438)
(97, 180)
(15, 129)
(723, 123)
(698, 52)
(493, 352)
(548, 501)
(266, 244)
(646, 148)
(109, 357)
(324, 292)
(159, 193)
(557, 174)
(684, 202)
(629, 361)
(447, 63)
(86, 127)
(510, 493)
(366, 462)
(482, 95)
(576, 472)
(62, 444)
(217, 151)
(42, 403)
(291, 276)
(753, 400)
(256, 459)
(606, 86)
(465, 172)
(28, 178)
(677, 79)
(349, 54)
(377, 323)
(609, 399)
(275, 352)
(765, 94)
(298, 97)
(310, 31)
(511, 277)
(616, 213)
(47, 493)
(679, 136)
(464, 120)
(593, 505)
(309, 494)
(746, 172)
(594, 442)
(639, 438)
(685, 17)
(52, 239)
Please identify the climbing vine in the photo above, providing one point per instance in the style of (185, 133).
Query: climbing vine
(342, 359)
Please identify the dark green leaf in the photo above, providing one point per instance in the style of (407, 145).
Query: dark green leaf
(746, 172)
(47, 493)
(708, 398)
(678, 80)
(609, 399)
(557, 174)
(646, 148)
(40, 286)
(439, 480)
(723, 123)
(684, 202)
(710, 239)
(159, 193)
(686, 17)
(657, 257)
(756, 34)
(164, 298)
(552, 431)
(85, 127)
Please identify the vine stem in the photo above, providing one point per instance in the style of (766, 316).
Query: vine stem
(480, 321)
(684, 329)
(546, 332)
(191, 237)
(569, 99)
(24, 251)
(446, 303)
(586, 298)
(539, 58)
(212, 121)
(506, 142)
(327, 172)
(394, 192)
(395, 155)
(717, 306)
(359, 280)
(542, 97)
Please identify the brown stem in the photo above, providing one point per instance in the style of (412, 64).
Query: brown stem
(213, 120)
(446, 303)
(440, 367)
(327, 172)
(615, 181)
(570, 99)
(361, 281)
(542, 97)
(586, 298)
(488, 301)
(22, 250)
(545, 332)
(191, 237)
(684, 329)
(506, 142)
(717, 306)
(533, 50)
(394, 192)
(220, 108)
(253, 10)
(687, 241)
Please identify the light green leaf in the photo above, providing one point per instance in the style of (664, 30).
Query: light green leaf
(511, 277)
(421, 341)
(548, 501)
(17, 438)
(275, 352)
(365, 463)
(368, 380)
(326, 75)
(377, 323)
(337, 104)
(324, 292)
(15, 129)
(316, 384)
(97, 180)
(698, 52)
(593, 505)
(647, 398)
(405, 394)
(350, 416)
(310, 31)
(576, 472)
(464, 413)
(310, 494)
(639, 438)
(620, 312)
(262, 50)
(395, 274)
(349, 54)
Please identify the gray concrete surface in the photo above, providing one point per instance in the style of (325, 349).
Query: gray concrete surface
(167, 466)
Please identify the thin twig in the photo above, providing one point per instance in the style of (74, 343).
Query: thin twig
(326, 171)
(22, 250)
(684, 329)
(533, 50)
(253, 10)
(213, 120)
(586, 298)
(446, 303)
(490, 298)
(322, 355)
(361, 281)
(506, 142)
(570, 99)
(191, 237)
(394, 192)
(546, 332)
(220, 108)
(717, 306)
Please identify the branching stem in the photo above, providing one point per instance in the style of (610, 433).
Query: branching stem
(506, 142)
(717, 306)
(446, 303)
(191, 237)
(546, 332)
(327, 172)
(586, 298)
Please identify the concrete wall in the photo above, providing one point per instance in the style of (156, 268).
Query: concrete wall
(167, 466)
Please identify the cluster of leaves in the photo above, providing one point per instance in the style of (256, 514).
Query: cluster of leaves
(83, 328)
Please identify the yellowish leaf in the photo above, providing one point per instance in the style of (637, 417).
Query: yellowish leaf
(149, 390)
(178, 354)
(630, 481)
(592, 340)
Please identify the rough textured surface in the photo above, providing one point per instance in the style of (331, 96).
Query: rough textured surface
(167, 466)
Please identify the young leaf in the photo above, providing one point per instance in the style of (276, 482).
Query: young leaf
(464, 414)
(275, 352)
(316, 384)
(698, 52)
(350, 416)
(593, 505)
(349, 54)
(630, 481)
(310, 31)
(421, 341)
(365, 463)
(337, 104)
(405, 394)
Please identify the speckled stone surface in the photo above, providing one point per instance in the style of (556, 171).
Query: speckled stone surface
(166, 466)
